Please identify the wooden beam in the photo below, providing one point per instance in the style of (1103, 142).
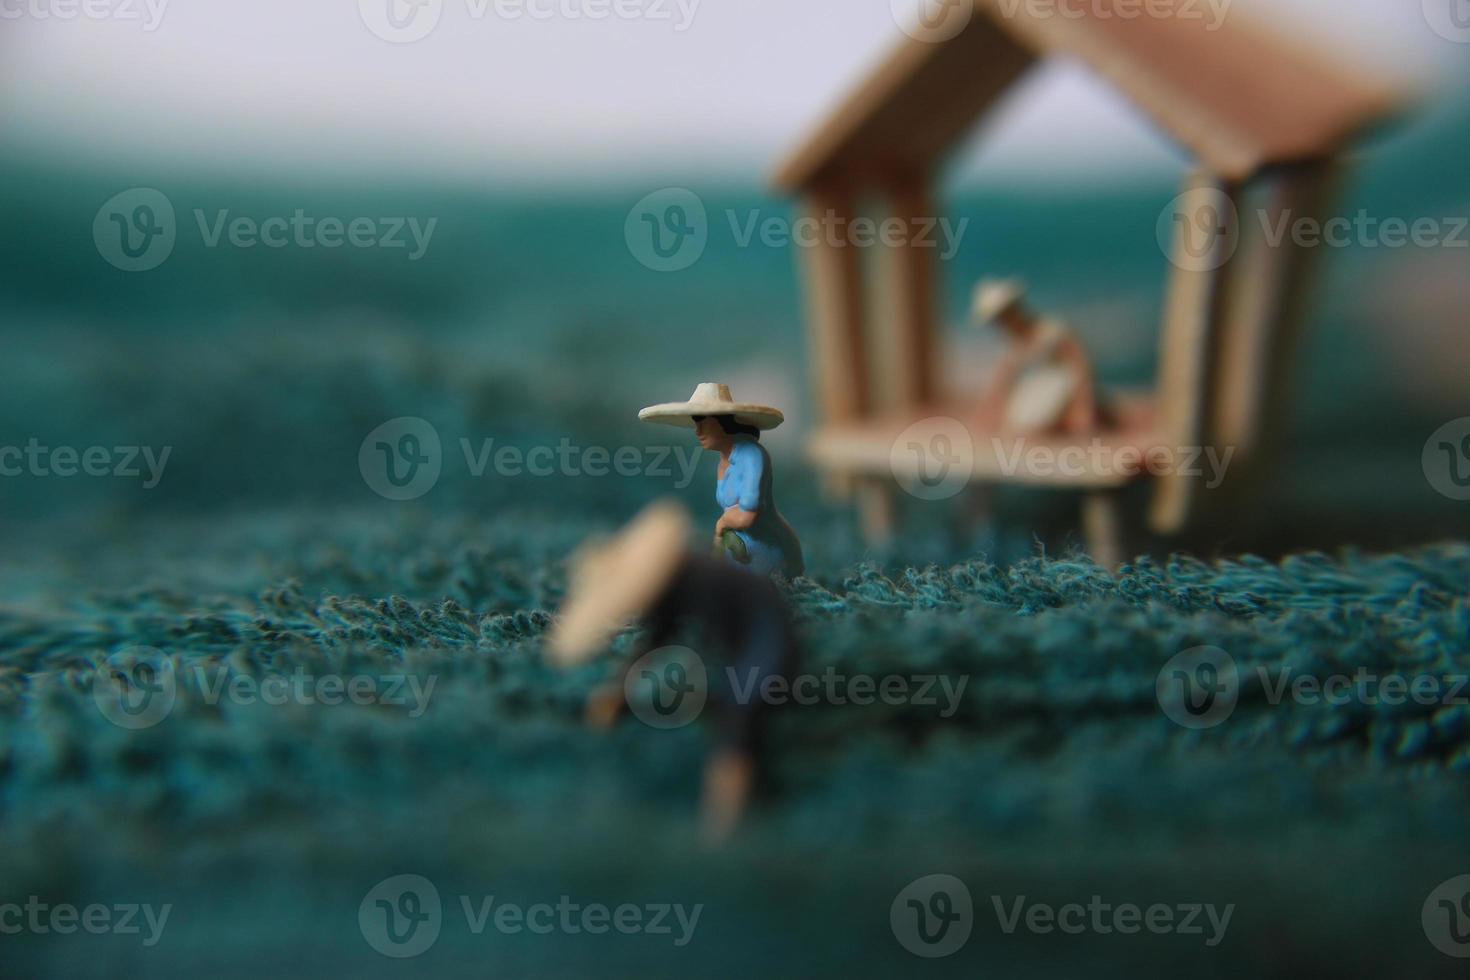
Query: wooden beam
(1190, 336)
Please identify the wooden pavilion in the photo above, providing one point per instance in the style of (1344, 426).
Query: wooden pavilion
(1264, 118)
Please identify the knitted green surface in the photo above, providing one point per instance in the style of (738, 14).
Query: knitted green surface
(1055, 774)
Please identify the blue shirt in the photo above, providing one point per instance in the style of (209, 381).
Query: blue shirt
(747, 484)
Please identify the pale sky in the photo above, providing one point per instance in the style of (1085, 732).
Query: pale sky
(692, 86)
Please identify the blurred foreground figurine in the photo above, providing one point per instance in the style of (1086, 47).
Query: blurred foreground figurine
(1044, 383)
(750, 531)
(647, 573)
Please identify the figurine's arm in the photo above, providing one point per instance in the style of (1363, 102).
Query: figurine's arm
(1082, 415)
(606, 704)
(735, 518)
(993, 403)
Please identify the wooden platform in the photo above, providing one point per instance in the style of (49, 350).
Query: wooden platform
(1108, 460)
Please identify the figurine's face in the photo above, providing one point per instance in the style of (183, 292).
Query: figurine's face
(710, 434)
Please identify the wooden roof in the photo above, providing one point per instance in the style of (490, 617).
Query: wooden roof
(1239, 98)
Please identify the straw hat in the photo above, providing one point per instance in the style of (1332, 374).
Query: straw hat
(616, 580)
(712, 399)
(994, 297)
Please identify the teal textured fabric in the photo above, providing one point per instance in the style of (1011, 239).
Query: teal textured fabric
(1053, 772)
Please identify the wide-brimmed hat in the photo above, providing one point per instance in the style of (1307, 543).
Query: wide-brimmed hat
(712, 399)
(614, 581)
(995, 297)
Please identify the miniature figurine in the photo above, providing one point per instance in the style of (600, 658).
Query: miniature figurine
(647, 573)
(1044, 383)
(750, 531)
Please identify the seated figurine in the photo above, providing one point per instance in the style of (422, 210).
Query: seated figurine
(1044, 383)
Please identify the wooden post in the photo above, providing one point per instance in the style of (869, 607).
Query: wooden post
(1264, 320)
(835, 313)
(906, 294)
(877, 509)
(835, 294)
(1102, 528)
(1193, 312)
